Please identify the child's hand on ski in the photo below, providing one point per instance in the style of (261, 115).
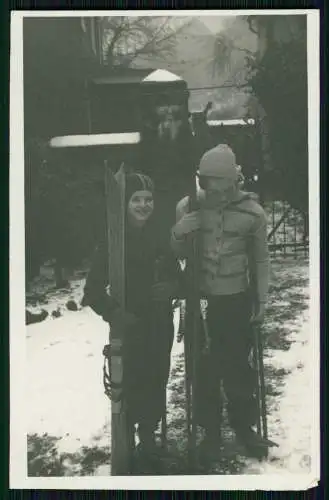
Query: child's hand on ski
(163, 291)
(259, 314)
(189, 223)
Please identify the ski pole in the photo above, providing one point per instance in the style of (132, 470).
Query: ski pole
(262, 429)
(258, 392)
(205, 328)
(262, 392)
(164, 422)
(187, 389)
(164, 400)
(194, 331)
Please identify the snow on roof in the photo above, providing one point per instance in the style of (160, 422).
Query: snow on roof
(216, 123)
(162, 75)
(68, 141)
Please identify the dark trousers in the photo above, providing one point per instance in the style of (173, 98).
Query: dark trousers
(227, 360)
(147, 349)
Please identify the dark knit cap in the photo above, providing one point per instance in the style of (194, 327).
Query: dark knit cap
(138, 182)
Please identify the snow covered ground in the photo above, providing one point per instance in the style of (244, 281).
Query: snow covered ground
(291, 420)
(69, 414)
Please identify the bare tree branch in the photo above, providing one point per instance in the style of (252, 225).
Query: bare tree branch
(224, 50)
(126, 38)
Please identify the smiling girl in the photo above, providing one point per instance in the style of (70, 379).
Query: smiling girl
(151, 272)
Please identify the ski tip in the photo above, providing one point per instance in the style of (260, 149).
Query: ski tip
(120, 173)
(272, 444)
(267, 443)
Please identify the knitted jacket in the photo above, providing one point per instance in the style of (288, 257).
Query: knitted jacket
(233, 246)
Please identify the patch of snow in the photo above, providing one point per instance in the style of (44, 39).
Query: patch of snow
(291, 421)
(69, 141)
(217, 123)
(281, 303)
(65, 386)
(65, 390)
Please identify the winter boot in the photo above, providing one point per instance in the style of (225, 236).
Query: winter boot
(254, 444)
(211, 446)
(131, 447)
(147, 451)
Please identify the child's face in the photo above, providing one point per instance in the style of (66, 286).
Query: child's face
(218, 190)
(140, 207)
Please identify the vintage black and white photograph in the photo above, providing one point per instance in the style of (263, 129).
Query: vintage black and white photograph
(164, 249)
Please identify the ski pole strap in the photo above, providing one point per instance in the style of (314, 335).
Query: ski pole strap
(113, 390)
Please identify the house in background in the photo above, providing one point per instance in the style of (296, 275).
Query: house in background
(60, 53)
(194, 62)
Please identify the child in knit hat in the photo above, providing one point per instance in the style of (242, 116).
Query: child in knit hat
(233, 248)
(151, 273)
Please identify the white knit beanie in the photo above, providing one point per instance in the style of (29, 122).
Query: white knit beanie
(219, 162)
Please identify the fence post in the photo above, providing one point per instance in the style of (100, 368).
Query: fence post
(295, 232)
(273, 225)
(305, 233)
(284, 230)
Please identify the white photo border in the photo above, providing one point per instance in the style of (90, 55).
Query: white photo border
(18, 389)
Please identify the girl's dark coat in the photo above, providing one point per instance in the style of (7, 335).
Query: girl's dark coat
(148, 342)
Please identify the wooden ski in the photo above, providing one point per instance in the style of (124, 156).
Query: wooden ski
(115, 205)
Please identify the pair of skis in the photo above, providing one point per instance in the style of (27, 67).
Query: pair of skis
(122, 436)
(115, 212)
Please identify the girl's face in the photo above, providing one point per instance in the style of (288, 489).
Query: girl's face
(140, 207)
